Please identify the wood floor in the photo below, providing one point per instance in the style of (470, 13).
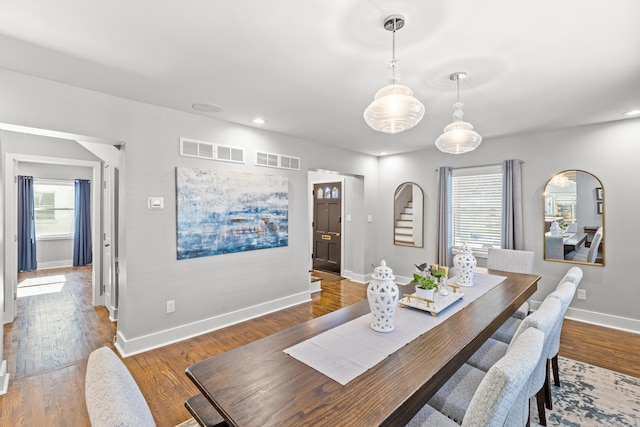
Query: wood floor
(47, 346)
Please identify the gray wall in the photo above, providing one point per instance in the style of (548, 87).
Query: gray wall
(609, 151)
(209, 292)
(214, 291)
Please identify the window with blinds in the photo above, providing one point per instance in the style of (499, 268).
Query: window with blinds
(54, 205)
(477, 207)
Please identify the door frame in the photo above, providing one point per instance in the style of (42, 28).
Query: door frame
(337, 178)
(110, 228)
(11, 225)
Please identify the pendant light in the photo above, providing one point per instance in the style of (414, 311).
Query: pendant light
(459, 136)
(394, 108)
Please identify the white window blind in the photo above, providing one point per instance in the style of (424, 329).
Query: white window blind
(54, 205)
(477, 207)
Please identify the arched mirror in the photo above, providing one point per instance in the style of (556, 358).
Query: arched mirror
(408, 215)
(573, 205)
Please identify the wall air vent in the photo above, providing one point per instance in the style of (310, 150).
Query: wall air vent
(210, 151)
(279, 161)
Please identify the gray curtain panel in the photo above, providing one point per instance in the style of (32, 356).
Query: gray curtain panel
(512, 223)
(443, 218)
(82, 252)
(26, 225)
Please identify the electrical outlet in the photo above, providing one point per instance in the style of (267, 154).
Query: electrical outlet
(582, 294)
(171, 306)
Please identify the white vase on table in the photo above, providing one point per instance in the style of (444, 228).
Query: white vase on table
(425, 293)
(382, 294)
(465, 264)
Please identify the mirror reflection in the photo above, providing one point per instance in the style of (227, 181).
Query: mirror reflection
(408, 215)
(573, 203)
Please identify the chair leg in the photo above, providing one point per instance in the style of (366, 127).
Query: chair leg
(556, 372)
(541, 410)
(547, 386)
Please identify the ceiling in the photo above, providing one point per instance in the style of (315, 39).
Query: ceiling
(311, 68)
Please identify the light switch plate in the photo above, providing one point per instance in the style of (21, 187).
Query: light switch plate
(155, 203)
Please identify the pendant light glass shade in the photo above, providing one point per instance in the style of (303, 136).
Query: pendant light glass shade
(459, 136)
(394, 109)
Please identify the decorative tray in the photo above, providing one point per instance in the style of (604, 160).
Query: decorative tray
(439, 303)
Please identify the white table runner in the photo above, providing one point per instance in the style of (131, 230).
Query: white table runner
(348, 350)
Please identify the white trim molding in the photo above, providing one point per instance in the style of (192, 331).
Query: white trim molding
(599, 319)
(129, 347)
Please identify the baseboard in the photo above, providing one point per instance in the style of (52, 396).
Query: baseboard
(4, 378)
(402, 280)
(360, 278)
(55, 264)
(599, 319)
(129, 347)
(315, 286)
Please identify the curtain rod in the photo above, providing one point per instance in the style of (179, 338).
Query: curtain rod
(37, 178)
(479, 166)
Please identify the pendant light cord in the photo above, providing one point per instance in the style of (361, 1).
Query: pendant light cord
(394, 62)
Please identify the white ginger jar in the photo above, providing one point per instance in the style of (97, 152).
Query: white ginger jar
(382, 294)
(555, 229)
(465, 264)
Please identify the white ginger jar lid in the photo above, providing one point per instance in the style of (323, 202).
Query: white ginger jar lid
(382, 272)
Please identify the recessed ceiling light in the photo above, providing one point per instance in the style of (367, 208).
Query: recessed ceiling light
(632, 113)
(259, 121)
(205, 107)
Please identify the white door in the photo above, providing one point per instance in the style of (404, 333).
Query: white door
(108, 252)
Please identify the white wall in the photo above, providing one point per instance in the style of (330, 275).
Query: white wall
(209, 292)
(609, 151)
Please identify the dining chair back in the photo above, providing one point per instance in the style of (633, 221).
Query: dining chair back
(499, 392)
(514, 261)
(479, 399)
(112, 395)
(543, 319)
(573, 275)
(595, 246)
(564, 292)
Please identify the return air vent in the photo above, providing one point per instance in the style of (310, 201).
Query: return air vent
(279, 161)
(211, 151)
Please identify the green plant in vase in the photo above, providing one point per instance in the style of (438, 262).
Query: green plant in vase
(425, 282)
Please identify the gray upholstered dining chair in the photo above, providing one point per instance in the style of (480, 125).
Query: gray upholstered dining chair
(564, 293)
(514, 261)
(478, 399)
(545, 319)
(574, 275)
(589, 254)
(492, 350)
(112, 395)
(507, 330)
(553, 246)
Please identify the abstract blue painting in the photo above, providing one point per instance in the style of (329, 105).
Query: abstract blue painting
(220, 212)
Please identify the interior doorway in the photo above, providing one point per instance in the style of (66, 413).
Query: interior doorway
(327, 226)
(106, 150)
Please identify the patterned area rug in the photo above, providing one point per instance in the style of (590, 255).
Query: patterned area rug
(592, 396)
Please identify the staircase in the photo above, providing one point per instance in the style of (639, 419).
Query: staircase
(404, 226)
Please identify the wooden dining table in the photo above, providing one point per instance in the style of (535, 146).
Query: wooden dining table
(260, 385)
